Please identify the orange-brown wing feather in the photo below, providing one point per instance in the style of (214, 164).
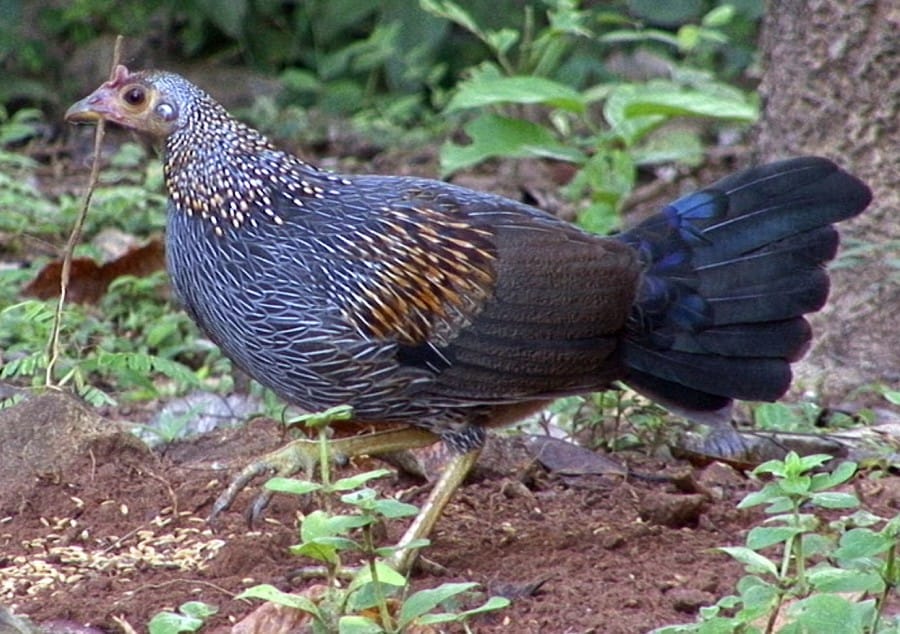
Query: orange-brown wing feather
(431, 275)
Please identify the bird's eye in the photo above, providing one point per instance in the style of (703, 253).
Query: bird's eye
(135, 96)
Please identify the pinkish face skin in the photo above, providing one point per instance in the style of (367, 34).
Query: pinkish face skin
(130, 101)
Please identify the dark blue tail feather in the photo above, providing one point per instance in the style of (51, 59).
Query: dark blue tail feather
(730, 272)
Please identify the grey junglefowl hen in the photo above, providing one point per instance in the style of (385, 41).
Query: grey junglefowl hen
(419, 302)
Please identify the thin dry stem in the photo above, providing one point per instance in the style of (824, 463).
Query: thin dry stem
(75, 235)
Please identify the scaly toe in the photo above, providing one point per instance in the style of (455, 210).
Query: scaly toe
(259, 506)
(238, 484)
(299, 455)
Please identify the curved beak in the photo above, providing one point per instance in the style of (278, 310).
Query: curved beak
(98, 105)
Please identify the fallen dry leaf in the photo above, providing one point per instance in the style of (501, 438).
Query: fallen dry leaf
(88, 280)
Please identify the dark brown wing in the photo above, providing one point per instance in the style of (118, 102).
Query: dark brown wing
(551, 325)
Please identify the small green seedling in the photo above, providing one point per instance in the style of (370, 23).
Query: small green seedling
(807, 575)
(189, 618)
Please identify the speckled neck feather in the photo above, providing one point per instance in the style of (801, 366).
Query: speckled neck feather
(223, 171)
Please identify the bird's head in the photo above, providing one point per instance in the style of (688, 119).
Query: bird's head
(152, 103)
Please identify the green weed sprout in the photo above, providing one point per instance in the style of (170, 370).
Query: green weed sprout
(823, 576)
(190, 618)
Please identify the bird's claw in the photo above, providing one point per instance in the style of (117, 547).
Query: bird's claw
(299, 455)
(260, 503)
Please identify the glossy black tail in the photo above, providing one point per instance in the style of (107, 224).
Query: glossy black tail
(730, 272)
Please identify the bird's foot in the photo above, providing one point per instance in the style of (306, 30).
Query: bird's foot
(298, 455)
(306, 454)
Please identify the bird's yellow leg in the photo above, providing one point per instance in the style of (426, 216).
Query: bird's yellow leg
(453, 476)
(303, 455)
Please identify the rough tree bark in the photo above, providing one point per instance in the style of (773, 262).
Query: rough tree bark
(831, 86)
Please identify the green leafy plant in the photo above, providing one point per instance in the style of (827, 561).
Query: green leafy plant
(615, 420)
(805, 417)
(376, 598)
(22, 206)
(129, 203)
(891, 395)
(524, 111)
(169, 426)
(822, 577)
(115, 350)
(190, 618)
(20, 126)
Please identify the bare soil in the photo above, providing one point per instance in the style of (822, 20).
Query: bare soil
(122, 532)
(115, 531)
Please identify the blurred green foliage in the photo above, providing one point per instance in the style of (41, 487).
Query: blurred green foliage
(593, 84)
(345, 53)
(608, 129)
(121, 347)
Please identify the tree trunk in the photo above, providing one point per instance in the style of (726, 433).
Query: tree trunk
(831, 86)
